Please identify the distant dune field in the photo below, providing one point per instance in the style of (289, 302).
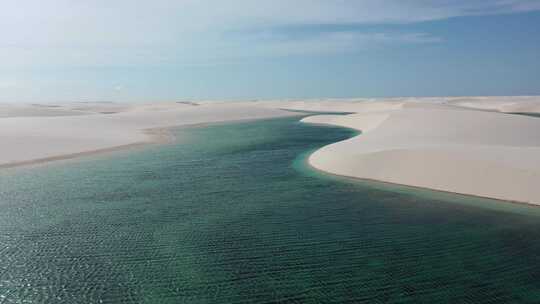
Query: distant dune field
(468, 145)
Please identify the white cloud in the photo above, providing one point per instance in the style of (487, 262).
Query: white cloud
(280, 44)
(130, 32)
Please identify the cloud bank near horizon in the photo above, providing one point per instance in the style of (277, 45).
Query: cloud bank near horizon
(70, 49)
(197, 32)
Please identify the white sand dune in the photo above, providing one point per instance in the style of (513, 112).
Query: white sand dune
(457, 144)
(338, 106)
(520, 104)
(32, 133)
(439, 146)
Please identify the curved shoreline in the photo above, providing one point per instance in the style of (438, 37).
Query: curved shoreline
(305, 158)
(443, 146)
(127, 128)
(156, 136)
(401, 151)
(416, 188)
(303, 165)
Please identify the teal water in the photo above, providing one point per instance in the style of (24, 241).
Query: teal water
(231, 214)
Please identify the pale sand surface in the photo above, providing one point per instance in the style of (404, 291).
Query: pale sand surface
(521, 104)
(455, 144)
(33, 133)
(442, 147)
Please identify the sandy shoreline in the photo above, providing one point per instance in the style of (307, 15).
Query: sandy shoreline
(34, 139)
(380, 183)
(440, 147)
(464, 145)
(40, 161)
(156, 136)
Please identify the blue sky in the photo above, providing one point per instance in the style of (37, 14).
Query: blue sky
(64, 50)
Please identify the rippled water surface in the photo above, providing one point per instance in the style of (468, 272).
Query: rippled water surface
(230, 214)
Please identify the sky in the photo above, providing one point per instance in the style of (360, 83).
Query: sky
(135, 50)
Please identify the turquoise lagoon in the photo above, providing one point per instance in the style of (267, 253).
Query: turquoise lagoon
(231, 213)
